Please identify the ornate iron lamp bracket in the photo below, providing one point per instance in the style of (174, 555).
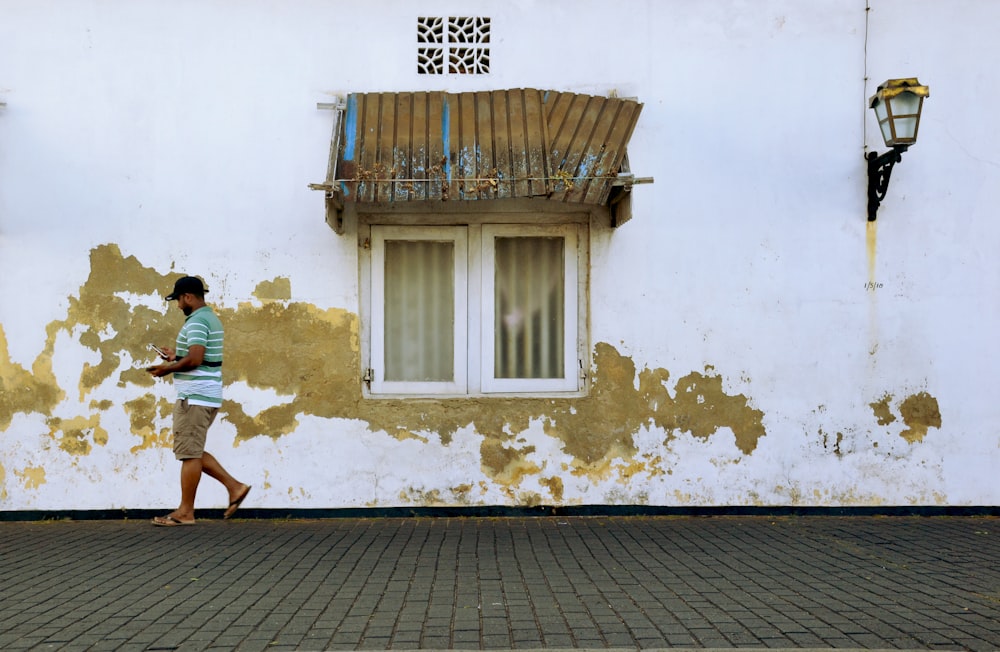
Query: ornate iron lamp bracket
(879, 170)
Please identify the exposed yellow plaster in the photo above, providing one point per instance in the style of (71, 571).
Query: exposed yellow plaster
(507, 464)
(525, 498)
(682, 497)
(650, 465)
(280, 289)
(141, 412)
(32, 476)
(312, 356)
(99, 309)
(3, 483)
(794, 494)
(920, 412)
(462, 493)
(302, 493)
(883, 414)
(76, 435)
(297, 350)
(402, 434)
(704, 407)
(417, 497)
(22, 391)
(852, 496)
(555, 487)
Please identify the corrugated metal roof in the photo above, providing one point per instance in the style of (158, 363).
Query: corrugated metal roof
(505, 144)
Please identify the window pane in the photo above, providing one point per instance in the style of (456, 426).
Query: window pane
(419, 310)
(528, 307)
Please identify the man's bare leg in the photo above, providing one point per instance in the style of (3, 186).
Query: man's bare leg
(214, 469)
(190, 477)
(191, 470)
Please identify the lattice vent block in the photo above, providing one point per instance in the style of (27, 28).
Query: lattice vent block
(454, 45)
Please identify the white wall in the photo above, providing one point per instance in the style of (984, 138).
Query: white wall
(186, 133)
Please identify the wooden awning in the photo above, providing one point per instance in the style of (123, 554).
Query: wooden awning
(392, 148)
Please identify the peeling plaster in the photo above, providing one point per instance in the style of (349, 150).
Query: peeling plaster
(555, 486)
(883, 413)
(76, 435)
(309, 357)
(140, 411)
(280, 289)
(24, 391)
(32, 476)
(316, 362)
(919, 412)
(507, 464)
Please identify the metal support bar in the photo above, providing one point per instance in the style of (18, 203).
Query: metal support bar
(879, 171)
(628, 180)
(616, 181)
(334, 200)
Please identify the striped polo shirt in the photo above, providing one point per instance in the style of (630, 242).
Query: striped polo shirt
(201, 386)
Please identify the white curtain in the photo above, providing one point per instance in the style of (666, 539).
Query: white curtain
(419, 310)
(529, 320)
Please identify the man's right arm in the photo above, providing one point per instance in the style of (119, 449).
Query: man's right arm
(195, 356)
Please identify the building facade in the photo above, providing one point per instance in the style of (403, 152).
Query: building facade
(508, 254)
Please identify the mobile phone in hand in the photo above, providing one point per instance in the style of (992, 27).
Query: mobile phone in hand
(159, 351)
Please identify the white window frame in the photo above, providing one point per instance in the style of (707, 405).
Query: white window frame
(474, 306)
(459, 237)
(570, 379)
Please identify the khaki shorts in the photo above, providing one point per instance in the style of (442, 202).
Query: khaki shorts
(191, 424)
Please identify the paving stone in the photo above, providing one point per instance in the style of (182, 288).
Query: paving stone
(562, 582)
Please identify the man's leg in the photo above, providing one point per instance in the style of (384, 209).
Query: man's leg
(190, 427)
(190, 477)
(214, 469)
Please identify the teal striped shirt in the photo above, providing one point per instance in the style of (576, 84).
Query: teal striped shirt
(201, 386)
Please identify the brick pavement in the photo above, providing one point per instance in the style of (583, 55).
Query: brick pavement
(494, 583)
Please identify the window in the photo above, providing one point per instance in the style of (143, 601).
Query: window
(457, 45)
(529, 309)
(418, 301)
(476, 309)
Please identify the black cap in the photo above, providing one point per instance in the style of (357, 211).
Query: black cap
(185, 285)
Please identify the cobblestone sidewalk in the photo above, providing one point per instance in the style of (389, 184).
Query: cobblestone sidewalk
(501, 583)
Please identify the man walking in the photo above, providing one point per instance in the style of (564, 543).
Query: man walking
(197, 367)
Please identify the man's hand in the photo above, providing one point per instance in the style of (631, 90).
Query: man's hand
(159, 370)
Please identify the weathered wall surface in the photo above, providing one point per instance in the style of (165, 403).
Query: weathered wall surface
(756, 341)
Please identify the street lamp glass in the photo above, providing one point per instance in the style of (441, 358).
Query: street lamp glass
(897, 105)
(905, 109)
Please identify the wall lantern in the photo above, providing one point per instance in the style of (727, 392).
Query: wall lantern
(897, 105)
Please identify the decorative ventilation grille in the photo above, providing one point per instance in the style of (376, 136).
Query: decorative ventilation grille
(454, 45)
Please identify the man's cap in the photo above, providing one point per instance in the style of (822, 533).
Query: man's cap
(185, 285)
